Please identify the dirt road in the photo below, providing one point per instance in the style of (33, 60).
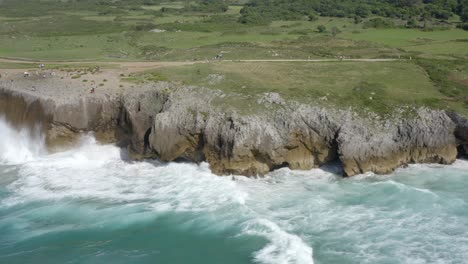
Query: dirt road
(135, 66)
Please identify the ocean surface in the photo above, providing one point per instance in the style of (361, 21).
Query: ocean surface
(91, 205)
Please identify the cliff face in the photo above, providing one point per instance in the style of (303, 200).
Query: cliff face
(182, 123)
(246, 145)
(61, 115)
(427, 137)
(300, 137)
(461, 132)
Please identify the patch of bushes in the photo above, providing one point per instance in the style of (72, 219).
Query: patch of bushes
(463, 26)
(145, 27)
(378, 23)
(439, 72)
(209, 6)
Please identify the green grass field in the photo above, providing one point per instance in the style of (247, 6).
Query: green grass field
(377, 86)
(125, 35)
(436, 76)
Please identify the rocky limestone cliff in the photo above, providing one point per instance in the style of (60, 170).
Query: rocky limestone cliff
(427, 137)
(461, 132)
(246, 145)
(181, 123)
(62, 113)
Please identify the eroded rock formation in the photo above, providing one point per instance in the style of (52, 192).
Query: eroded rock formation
(181, 123)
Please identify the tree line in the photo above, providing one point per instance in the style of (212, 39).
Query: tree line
(263, 11)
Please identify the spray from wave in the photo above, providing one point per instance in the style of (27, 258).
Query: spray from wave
(19, 146)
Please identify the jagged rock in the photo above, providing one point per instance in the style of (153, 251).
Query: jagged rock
(271, 98)
(138, 110)
(56, 112)
(426, 138)
(461, 132)
(173, 123)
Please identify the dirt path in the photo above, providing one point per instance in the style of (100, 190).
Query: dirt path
(125, 66)
(317, 60)
(136, 66)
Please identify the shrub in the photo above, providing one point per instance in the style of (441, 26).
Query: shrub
(145, 27)
(321, 28)
(411, 23)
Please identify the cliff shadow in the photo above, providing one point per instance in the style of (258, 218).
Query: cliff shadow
(334, 167)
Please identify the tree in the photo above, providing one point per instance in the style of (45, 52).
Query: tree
(270, 10)
(463, 10)
(321, 28)
(362, 11)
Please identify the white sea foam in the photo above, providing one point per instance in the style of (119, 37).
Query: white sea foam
(367, 219)
(283, 248)
(461, 164)
(19, 146)
(93, 171)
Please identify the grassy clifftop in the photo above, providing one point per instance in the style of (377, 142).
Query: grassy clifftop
(375, 86)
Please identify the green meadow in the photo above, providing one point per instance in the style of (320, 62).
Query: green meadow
(375, 86)
(432, 70)
(146, 33)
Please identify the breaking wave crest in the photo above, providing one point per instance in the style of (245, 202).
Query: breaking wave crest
(19, 146)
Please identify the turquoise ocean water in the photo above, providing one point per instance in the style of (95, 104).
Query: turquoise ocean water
(90, 205)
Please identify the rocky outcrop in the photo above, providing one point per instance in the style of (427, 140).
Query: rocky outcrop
(300, 137)
(461, 132)
(186, 123)
(246, 145)
(137, 113)
(61, 116)
(427, 137)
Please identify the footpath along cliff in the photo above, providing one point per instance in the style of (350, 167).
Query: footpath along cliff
(174, 123)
